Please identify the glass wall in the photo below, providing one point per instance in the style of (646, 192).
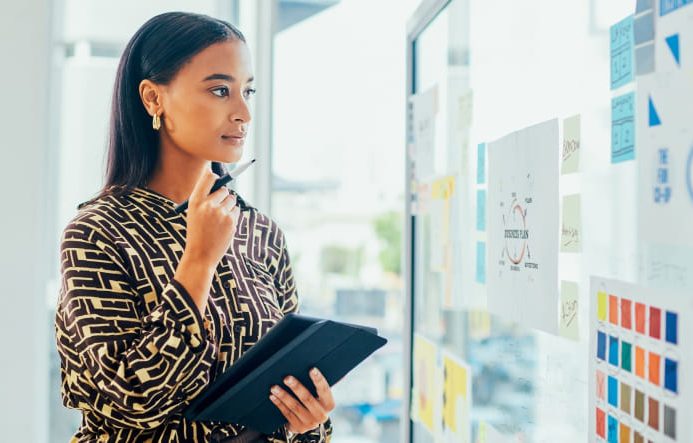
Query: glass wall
(337, 188)
(495, 67)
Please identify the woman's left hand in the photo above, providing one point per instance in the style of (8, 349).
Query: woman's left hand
(308, 413)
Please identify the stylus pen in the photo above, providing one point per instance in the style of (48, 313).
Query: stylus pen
(218, 183)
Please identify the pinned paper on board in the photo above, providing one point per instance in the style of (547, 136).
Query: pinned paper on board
(674, 36)
(570, 161)
(425, 113)
(481, 210)
(571, 224)
(457, 399)
(569, 318)
(522, 226)
(638, 363)
(623, 128)
(622, 44)
(440, 245)
(426, 389)
(480, 262)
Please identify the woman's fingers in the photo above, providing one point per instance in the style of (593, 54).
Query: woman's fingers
(313, 406)
(323, 389)
(298, 416)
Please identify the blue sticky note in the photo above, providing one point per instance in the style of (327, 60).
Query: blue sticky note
(481, 163)
(671, 375)
(672, 327)
(612, 430)
(613, 350)
(481, 210)
(481, 262)
(613, 391)
(623, 128)
(622, 46)
(667, 6)
(601, 345)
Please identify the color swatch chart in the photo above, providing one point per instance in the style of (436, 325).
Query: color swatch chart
(637, 361)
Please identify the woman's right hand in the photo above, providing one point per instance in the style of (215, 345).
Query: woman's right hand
(211, 226)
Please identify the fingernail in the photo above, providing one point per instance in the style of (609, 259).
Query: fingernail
(273, 398)
(275, 389)
(314, 372)
(289, 381)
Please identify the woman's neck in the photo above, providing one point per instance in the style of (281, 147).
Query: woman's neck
(176, 173)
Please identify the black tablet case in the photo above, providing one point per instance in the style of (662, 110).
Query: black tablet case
(292, 347)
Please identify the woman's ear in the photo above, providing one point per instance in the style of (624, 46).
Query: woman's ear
(151, 95)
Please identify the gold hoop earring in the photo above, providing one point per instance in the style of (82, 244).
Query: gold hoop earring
(156, 122)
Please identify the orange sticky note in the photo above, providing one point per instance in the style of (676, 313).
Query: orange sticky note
(653, 368)
(613, 309)
(640, 362)
(640, 315)
(625, 434)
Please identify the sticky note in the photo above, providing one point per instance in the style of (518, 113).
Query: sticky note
(601, 306)
(571, 224)
(670, 422)
(623, 128)
(653, 364)
(613, 350)
(625, 433)
(626, 360)
(626, 313)
(638, 438)
(653, 413)
(481, 163)
(671, 375)
(640, 317)
(568, 325)
(639, 410)
(601, 345)
(672, 329)
(601, 423)
(655, 322)
(613, 391)
(481, 262)
(612, 436)
(640, 362)
(600, 385)
(613, 309)
(625, 398)
(622, 44)
(481, 210)
(571, 145)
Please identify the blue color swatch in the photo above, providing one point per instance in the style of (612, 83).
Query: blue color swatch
(672, 327)
(671, 375)
(481, 164)
(613, 350)
(481, 262)
(612, 431)
(623, 128)
(601, 345)
(481, 210)
(613, 391)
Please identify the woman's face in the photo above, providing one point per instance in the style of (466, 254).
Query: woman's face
(205, 107)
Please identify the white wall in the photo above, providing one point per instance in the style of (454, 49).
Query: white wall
(25, 45)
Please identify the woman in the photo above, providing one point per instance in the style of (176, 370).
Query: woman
(153, 304)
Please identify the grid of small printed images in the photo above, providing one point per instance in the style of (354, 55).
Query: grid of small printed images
(637, 369)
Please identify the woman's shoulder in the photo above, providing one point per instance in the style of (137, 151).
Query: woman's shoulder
(96, 216)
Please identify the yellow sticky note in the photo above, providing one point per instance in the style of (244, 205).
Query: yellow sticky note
(601, 306)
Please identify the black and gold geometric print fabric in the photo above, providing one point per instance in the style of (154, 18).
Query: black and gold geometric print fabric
(134, 348)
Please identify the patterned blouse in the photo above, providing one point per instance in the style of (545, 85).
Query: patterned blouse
(134, 348)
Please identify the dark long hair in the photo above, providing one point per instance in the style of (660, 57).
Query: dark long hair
(157, 51)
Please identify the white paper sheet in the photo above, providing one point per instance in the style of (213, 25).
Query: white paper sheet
(640, 355)
(522, 220)
(425, 114)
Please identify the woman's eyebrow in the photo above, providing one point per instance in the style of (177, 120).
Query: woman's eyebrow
(226, 77)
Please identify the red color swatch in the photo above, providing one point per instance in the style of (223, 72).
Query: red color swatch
(655, 322)
(626, 313)
(640, 315)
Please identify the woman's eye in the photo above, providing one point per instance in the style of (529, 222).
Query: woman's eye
(221, 92)
(249, 92)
